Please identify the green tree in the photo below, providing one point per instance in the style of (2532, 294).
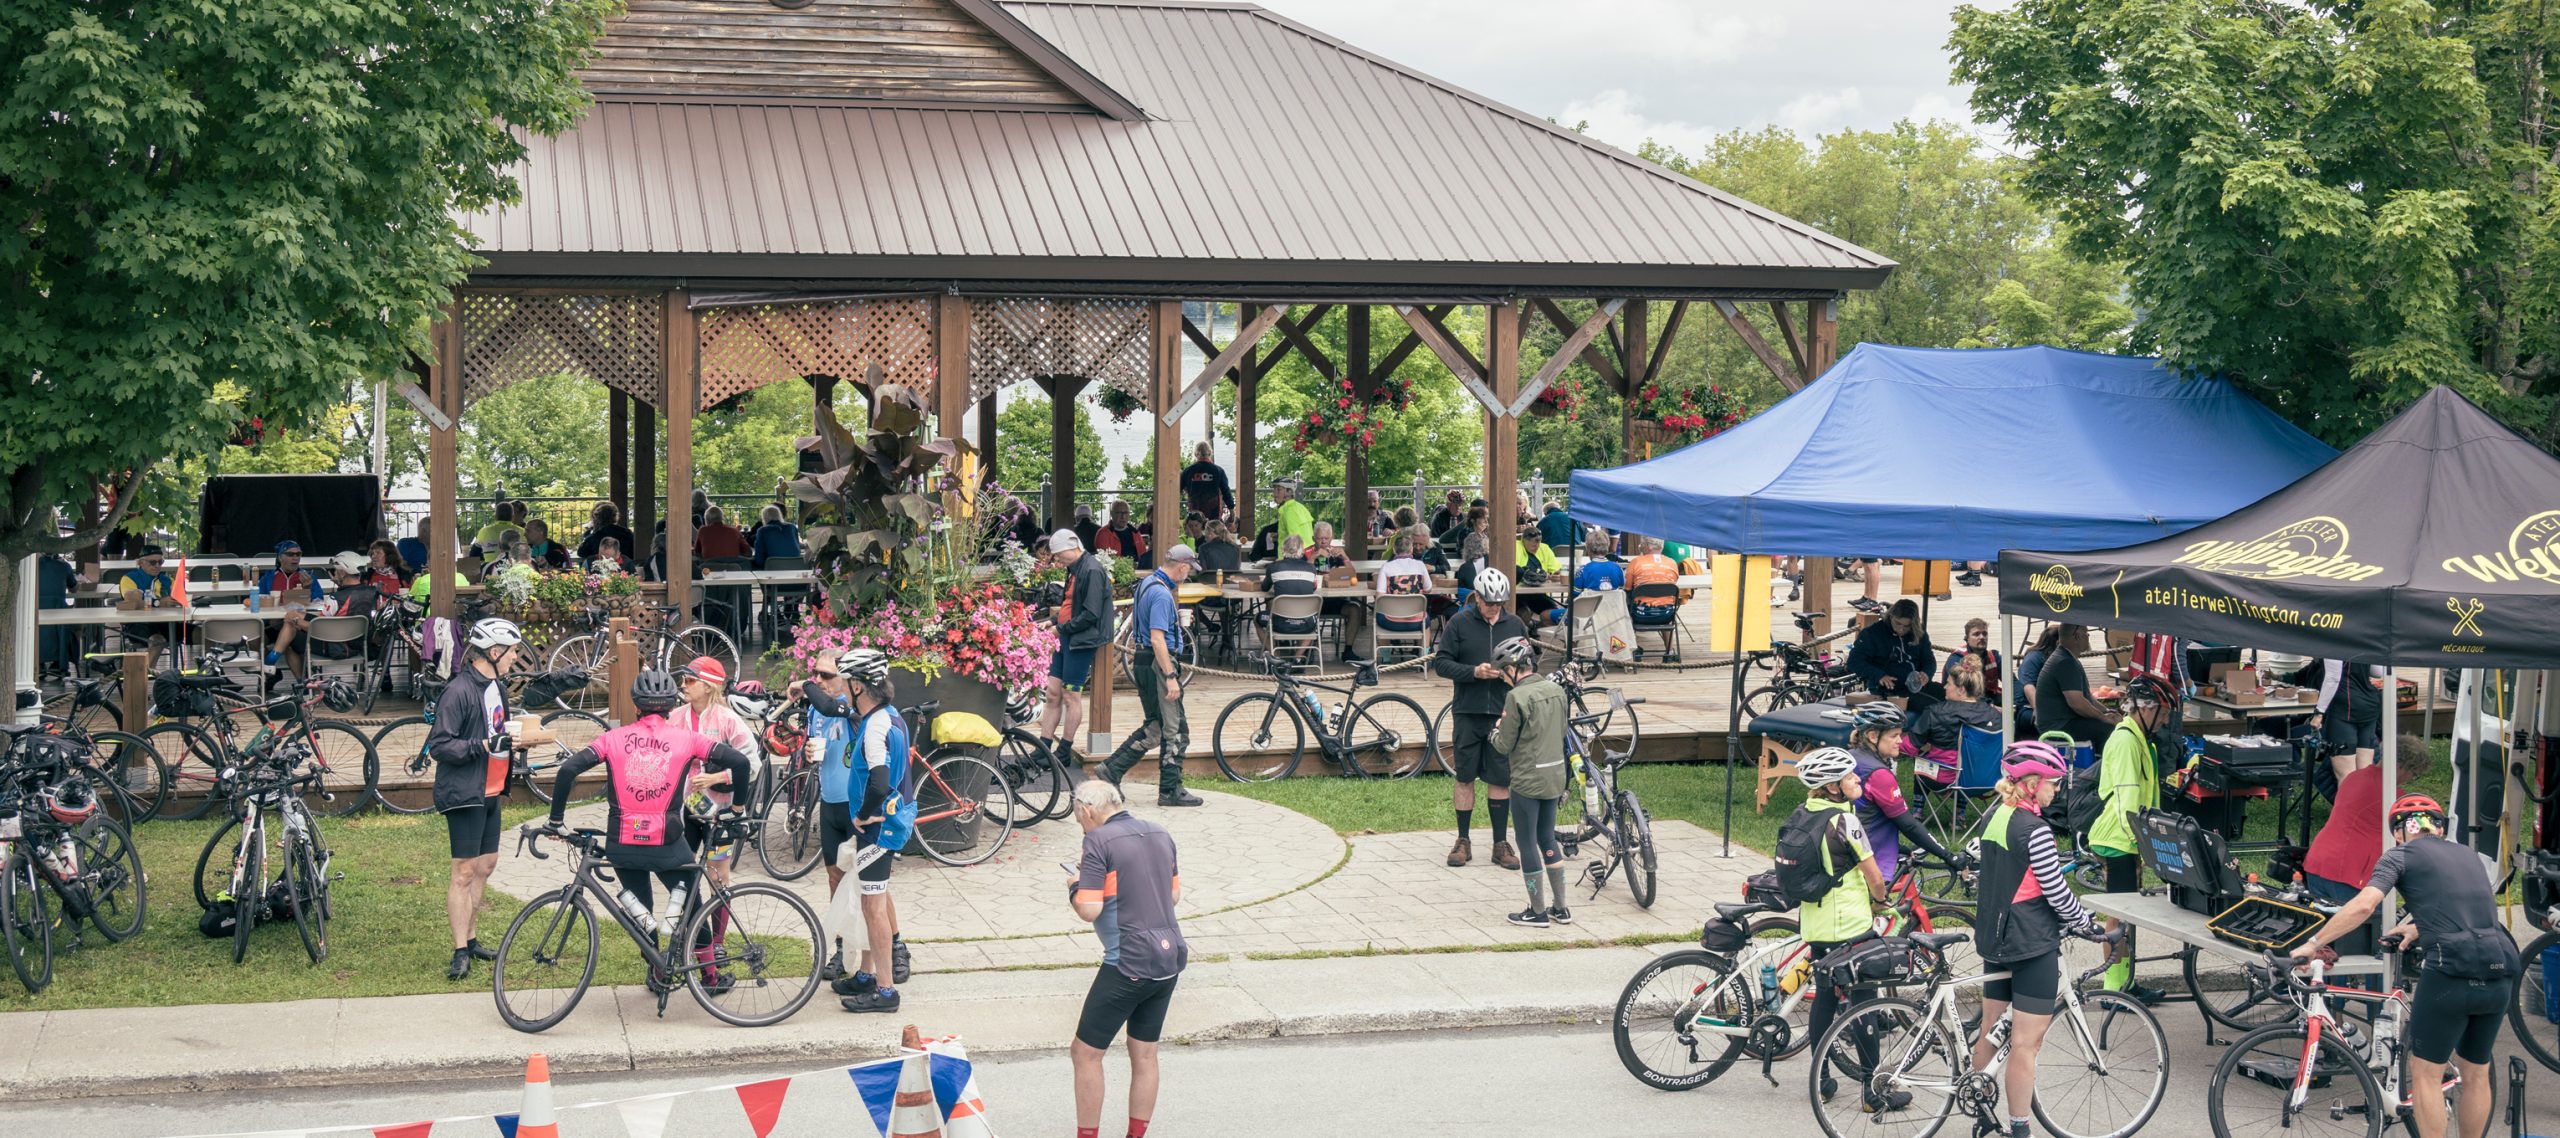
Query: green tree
(1023, 430)
(748, 447)
(2337, 204)
(258, 194)
(1438, 434)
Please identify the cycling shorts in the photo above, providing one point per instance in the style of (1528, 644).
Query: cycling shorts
(2451, 1016)
(473, 831)
(1116, 1000)
(2034, 986)
(1072, 667)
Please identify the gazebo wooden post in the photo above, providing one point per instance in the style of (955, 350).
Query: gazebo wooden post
(1062, 390)
(987, 442)
(1248, 391)
(642, 517)
(950, 367)
(618, 459)
(1634, 350)
(1164, 387)
(1502, 434)
(443, 487)
(1822, 329)
(1355, 464)
(684, 378)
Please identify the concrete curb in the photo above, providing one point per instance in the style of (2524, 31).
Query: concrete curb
(417, 1039)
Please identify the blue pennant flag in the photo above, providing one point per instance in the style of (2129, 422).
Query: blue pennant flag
(507, 1125)
(950, 1075)
(877, 1083)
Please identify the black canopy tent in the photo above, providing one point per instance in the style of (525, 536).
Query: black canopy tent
(2433, 542)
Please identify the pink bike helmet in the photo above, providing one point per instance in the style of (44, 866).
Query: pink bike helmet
(2031, 758)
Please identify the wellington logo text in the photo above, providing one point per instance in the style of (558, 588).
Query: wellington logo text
(2312, 547)
(2533, 554)
(2055, 587)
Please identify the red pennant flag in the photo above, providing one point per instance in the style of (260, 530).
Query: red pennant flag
(405, 1130)
(763, 1102)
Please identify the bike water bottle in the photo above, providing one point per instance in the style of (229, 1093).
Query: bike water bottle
(675, 906)
(2351, 1035)
(1590, 794)
(2000, 1033)
(1769, 984)
(1315, 707)
(639, 912)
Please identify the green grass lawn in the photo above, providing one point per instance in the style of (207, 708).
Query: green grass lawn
(389, 938)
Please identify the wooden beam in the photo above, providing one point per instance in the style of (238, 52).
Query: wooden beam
(987, 443)
(1394, 358)
(950, 366)
(444, 488)
(1192, 332)
(1662, 344)
(1295, 332)
(1502, 437)
(1632, 325)
(1591, 353)
(618, 460)
(1574, 343)
(643, 517)
(1355, 465)
(684, 379)
(1787, 328)
(1823, 316)
(1224, 361)
(1751, 338)
(1165, 378)
(1471, 374)
(1062, 447)
(1248, 396)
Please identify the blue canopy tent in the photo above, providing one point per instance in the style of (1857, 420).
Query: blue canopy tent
(1951, 454)
(1946, 454)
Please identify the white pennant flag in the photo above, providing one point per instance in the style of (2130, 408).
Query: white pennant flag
(647, 1117)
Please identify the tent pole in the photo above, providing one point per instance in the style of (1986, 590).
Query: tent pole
(1733, 693)
(2390, 794)
(2008, 685)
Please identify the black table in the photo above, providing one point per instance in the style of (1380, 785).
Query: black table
(1825, 722)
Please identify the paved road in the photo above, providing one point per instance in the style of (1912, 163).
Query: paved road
(1467, 1083)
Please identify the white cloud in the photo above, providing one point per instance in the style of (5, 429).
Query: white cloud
(1822, 112)
(1617, 117)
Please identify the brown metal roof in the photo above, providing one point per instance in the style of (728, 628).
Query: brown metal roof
(1269, 154)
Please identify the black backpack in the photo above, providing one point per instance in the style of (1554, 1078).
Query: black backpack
(1801, 875)
(2075, 806)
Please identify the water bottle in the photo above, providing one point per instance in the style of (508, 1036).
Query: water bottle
(1769, 985)
(675, 906)
(2000, 1034)
(2351, 1035)
(1590, 796)
(1315, 707)
(637, 910)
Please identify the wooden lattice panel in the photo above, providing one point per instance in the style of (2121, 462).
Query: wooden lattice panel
(614, 340)
(749, 346)
(1015, 338)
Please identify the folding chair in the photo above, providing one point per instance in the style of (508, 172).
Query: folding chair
(1582, 616)
(1303, 607)
(337, 646)
(1663, 599)
(1942, 805)
(1414, 610)
(249, 640)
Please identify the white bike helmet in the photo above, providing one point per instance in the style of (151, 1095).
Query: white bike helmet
(350, 562)
(1826, 767)
(494, 633)
(866, 666)
(1493, 585)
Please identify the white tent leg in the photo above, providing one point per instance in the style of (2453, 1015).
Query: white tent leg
(2008, 684)
(2390, 786)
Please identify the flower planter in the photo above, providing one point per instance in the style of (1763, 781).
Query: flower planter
(1543, 409)
(1651, 432)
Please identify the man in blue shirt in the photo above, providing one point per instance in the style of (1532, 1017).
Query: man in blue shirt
(862, 749)
(1159, 637)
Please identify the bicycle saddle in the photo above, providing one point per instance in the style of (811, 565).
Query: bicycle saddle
(1940, 942)
(14, 730)
(1737, 910)
(929, 708)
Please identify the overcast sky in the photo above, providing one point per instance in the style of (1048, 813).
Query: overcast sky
(1676, 71)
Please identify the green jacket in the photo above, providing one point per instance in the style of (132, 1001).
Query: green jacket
(1531, 734)
(2128, 784)
(1845, 913)
(1294, 519)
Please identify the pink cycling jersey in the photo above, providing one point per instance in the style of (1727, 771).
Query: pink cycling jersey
(720, 725)
(650, 761)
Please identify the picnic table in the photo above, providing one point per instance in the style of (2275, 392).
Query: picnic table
(2156, 914)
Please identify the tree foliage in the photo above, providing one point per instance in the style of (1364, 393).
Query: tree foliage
(1438, 434)
(2338, 204)
(1023, 431)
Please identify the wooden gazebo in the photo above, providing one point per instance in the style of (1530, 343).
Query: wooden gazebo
(975, 193)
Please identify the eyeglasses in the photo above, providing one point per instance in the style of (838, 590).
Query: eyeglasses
(828, 675)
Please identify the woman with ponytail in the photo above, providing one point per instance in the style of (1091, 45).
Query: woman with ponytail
(2026, 907)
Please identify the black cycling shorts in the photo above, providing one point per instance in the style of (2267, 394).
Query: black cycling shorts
(2034, 986)
(1116, 1000)
(2451, 1016)
(473, 831)
(1474, 757)
(835, 828)
(2124, 872)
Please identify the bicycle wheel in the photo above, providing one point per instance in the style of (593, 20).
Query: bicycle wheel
(26, 923)
(1032, 774)
(756, 954)
(104, 713)
(546, 961)
(249, 902)
(1635, 849)
(126, 766)
(571, 732)
(1258, 738)
(1442, 742)
(402, 745)
(1389, 736)
(190, 761)
(302, 890)
(1897, 1048)
(582, 653)
(1659, 1015)
(348, 755)
(963, 809)
(2252, 1088)
(213, 876)
(111, 868)
(683, 646)
(2536, 1013)
(2104, 1072)
(1761, 701)
(787, 830)
(2246, 1008)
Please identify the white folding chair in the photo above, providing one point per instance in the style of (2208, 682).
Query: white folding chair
(249, 638)
(336, 646)
(1308, 608)
(1409, 609)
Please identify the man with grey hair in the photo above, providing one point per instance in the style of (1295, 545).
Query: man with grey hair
(1084, 626)
(1126, 883)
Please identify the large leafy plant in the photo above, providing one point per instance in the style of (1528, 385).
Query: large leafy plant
(874, 516)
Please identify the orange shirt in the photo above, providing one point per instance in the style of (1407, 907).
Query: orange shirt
(1652, 569)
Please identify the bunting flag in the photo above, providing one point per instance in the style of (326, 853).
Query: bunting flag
(178, 587)
(647, 1117)
(507, 1126)
(964, 1114)
(405, 1130)
(762, 1102)
(877, 1083)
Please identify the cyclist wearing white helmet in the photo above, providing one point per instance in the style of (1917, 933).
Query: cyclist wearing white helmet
(2026, 907)
(473, 752)
(1822, 840)
(1875, 741)
(1530, 739)
(1475, 704)
(860, 771)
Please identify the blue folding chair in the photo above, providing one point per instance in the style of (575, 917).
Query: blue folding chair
(1977, 774)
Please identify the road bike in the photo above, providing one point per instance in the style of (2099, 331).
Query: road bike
(1600, 810)
(298, 887)
(90, 703)
(2536, 1012)
(193, 758)
(1687, 1015)
(124, 771)
(786, 831)
(964, 806)
(89, 867)
(570, 729)
(667, 647)
(748, 951)
(1262, 736)
(1797, 675)
(2109, 1078)
(2316, 1074)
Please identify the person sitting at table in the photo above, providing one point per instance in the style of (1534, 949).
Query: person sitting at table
(1471, 561)
(2030, 666)
(1536, 563)
(1323, 552)
(2340, 862)
(1085, 529)
(1451, 514)
(1219, 552)
(2063, 702)
(718, 540)
(1121, 538)
(608, 558)
(1266, 544)
(383, 569)
(506, 519)
(1647, 568)
(1937, 732)
(1405, 576)
(149, 585)
(1985, 658)
(605, 522)
(288, 585)
(1599, 571)
(497, 555)
(1381, 523)
(540, 549)
(1292, 576)
(1894, 656)
(1427, 550)
(778, 538)
(413, 549)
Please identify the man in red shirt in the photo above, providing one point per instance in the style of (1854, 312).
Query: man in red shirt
(2341, 858)
(718, 538)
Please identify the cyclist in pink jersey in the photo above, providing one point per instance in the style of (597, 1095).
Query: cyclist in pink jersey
(704, 713)
(652, 766)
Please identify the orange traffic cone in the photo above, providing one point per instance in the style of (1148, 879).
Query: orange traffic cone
(915, 1115)
(534, 1118)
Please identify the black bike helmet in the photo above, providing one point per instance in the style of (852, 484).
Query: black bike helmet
(654, 693)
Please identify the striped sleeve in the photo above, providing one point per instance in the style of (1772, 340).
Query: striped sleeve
(2046, 863)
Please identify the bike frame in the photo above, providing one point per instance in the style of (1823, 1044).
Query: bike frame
(2392, 1007)
(1939, 1013)
(1904, 894)
(587, 882)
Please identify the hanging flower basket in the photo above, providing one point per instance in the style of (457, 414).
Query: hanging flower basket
(1652, 432)
(1121, 404)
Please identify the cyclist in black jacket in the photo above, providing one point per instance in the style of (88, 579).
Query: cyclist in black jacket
(472, 753)
(1475, 705)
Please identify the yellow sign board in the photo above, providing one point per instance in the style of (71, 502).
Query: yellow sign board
(1746, 579)
(1924, 578)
